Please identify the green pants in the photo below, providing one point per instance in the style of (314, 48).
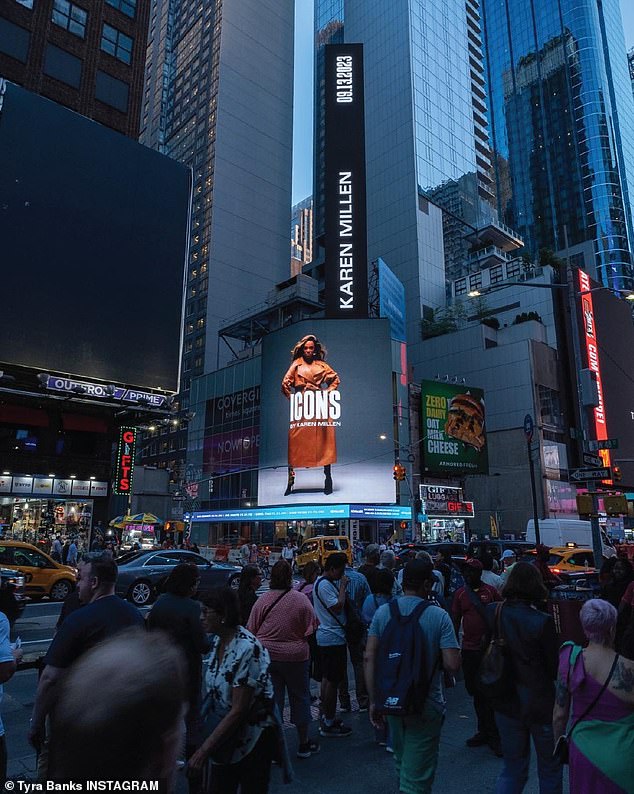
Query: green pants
(415, 742)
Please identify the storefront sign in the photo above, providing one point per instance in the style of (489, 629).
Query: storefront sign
(448, 508)
(453, 428)
(447, 492)
(125, 461)
(589, 332)
(62, 487)
(6, 484)
(81, 488)
(43, 485)
(22, 484)
(98, 488)
(345, 202)
(104, 391)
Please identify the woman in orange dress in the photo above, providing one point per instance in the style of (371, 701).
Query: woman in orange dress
(311, 434)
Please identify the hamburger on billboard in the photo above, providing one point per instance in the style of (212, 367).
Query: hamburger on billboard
(326, 400)
(454, 429)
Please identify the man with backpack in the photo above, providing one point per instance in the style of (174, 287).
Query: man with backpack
(411, 641)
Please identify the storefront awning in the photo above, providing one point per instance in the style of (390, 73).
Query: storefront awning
(86, 424)
(22, 415)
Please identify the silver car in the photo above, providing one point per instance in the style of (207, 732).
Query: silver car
(142, 574)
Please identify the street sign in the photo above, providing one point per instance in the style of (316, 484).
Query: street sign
(592, 460)
(604, 443)
(529, 427)
(584, 475)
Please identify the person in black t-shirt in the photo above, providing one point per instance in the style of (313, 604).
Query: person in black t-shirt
(104, 615)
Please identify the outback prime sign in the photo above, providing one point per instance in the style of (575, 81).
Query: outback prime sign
(345, 210)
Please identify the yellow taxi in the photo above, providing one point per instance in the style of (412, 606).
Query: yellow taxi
(319, 548)
(42, 575)
(570, 558)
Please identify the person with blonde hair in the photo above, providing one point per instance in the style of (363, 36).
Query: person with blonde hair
(311, 441)
(594, 706)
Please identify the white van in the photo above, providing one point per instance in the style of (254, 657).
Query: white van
(557, 532)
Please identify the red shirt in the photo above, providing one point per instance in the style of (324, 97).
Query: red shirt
(474, 629)
(628, 596)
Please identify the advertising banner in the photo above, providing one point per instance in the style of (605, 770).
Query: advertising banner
(124, 467)
(392, 301)
(232, 432)
(326, 399)
(346, 268)
(453, 424)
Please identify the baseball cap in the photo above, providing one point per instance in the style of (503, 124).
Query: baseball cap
(507, 554)
(473, 563)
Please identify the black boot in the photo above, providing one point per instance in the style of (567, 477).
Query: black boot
(291, 481)
(327, 481)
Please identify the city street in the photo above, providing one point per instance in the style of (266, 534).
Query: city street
(341, 766)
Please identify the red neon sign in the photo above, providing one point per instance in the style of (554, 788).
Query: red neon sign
(592, 353)
(125, 461)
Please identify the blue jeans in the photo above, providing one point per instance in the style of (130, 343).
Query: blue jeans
(516, 736)
(292, 677)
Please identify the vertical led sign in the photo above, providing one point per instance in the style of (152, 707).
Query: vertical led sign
(125, 461)
(345, 215)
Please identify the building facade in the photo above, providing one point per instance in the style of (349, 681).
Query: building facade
(301, 235)
(88, 56)
(562, 122)
(218, 97)
(426, 126)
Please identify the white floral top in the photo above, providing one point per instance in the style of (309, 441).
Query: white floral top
(245, 663)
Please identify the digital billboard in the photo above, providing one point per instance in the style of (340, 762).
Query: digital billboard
(346, 268)
(614, 334)
(326, 400)
(232, 432)
(94, 235)
(454, 428)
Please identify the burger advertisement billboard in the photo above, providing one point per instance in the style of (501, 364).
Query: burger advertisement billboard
(454, 428)
(326, 400)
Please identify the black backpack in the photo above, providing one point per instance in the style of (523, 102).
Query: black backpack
(401, 682)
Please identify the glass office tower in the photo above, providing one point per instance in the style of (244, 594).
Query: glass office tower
(562, 128)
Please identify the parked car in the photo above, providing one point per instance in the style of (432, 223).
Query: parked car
(42, 575)
(12, 596)
(142, 574)
(319, 548)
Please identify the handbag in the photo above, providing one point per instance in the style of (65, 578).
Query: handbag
(561, 752)
(259, 711)
(495, 676)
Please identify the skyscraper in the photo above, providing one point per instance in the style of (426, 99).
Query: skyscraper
(218, 97)
(562, 122)
(425, 125)
(88, 56)
(301, 235)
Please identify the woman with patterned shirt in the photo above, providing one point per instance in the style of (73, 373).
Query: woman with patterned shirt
(237, 674)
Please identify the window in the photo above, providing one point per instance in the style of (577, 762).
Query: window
(14, 40)
(62, 66)
(70, 17)
(460, 287)
(25, 3)
(111, 91)
(127, 7)
(496, 274)
(116, 43)
(6, 555)
(475, 281)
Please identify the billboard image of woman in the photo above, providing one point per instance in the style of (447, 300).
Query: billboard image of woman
(321, 432)
(312, 387)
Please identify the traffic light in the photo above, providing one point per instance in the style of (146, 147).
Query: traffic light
(616, 473)
(398, 472)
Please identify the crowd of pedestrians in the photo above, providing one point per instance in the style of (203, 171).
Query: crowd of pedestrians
(204, 685)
